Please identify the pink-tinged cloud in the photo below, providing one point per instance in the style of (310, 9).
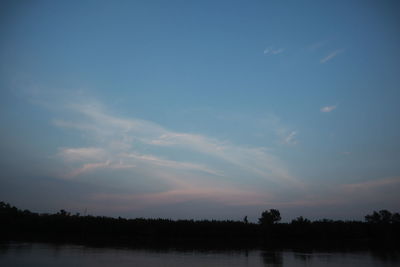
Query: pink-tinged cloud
(147, 151)
(229, 196)
(173, 164)
(89, 167)
(372, 185)
(82, 153)
(119, 137)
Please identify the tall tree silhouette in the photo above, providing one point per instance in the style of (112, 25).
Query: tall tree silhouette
(269, 217)
(383, 216)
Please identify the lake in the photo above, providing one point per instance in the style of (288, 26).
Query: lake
(40, 254)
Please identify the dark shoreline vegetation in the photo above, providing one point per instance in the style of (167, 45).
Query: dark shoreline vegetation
(380, 230)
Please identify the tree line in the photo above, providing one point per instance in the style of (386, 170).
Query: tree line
(379, 227)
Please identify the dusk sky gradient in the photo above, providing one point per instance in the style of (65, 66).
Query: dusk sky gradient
(200, 109)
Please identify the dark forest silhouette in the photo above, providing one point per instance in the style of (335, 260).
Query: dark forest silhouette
(379, 228)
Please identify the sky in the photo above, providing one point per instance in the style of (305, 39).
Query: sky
(200, 109)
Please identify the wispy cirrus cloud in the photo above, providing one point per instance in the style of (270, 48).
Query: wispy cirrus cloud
(328, 108)
(330, 56)
(88, 167)
(270, 50)
(291, 138)
(286, 136)
(172, 163)
(372, 185)
(227, 196)
(82, 153)
(179, 159)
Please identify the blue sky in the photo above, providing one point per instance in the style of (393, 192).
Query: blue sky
(200, 109)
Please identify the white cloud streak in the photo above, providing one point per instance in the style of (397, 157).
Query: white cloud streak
(291, 138)
(330, 56)
(328, 108)
(273, 51)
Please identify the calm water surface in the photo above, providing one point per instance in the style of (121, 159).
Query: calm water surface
(37, 254)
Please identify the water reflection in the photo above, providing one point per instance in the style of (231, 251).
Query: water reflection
(36, 254)
(304, 257)
(272, 259)
(388, 257)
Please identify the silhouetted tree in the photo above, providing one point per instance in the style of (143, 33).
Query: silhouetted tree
(269, 217)
(17, 224)
(301, 220)
(395, 217)
(383, 216)
(373, 218)
(63, 213)
(386, 216)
